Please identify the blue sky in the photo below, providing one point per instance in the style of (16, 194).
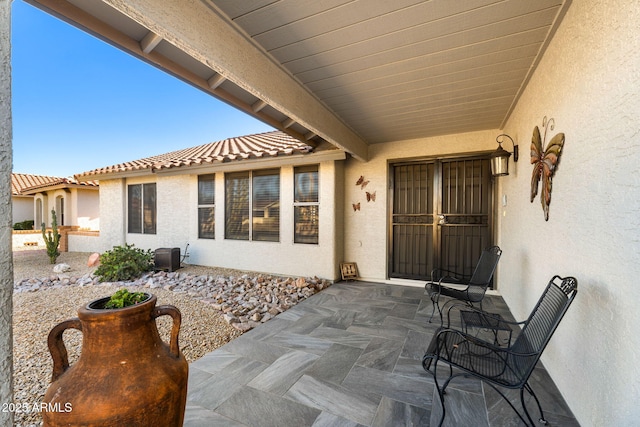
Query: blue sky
(81, 104)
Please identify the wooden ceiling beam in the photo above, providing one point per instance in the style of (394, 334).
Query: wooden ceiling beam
(288, 122)
(149, 42)
(89, 23)
(215, 81)
(200, 31)
(258, 105)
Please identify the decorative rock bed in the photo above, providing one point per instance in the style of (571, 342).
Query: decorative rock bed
(246, 300)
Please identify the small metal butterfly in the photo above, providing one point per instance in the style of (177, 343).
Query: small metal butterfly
(362, 182)
(371, 197)
(356, 206)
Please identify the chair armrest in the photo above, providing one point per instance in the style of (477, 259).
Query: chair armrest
(440, 337)
(440, 274)
(482, 313)
(457, 305)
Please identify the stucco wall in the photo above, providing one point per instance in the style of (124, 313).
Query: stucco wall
(589, 82)
(22, 208)
(87, 210)
(282, 257)
(86, 241)
(177, 225)
(366, 230)
(113, 199)
(27, 240)
(6, 256)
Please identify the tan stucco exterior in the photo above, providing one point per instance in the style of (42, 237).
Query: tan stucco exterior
(367, 230)
(177, 222)
(6, 256)
(588, 82)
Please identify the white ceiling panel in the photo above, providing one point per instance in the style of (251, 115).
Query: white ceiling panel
(387, 70)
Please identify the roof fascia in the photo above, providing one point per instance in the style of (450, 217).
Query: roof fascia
(234, 165)
(242, 165)
(113, 175)
(196, 28)
(66, 187)
(200, 31)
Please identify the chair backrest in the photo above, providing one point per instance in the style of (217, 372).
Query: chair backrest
(483, 273)
(542, 323)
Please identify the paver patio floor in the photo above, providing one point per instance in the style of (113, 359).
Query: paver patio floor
(348, 356)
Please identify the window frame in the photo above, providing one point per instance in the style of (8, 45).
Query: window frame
(299, 203)
(144, 204)
(246, 208)
(207, 205)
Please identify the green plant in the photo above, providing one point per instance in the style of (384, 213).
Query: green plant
(124, 263)
(52, 238)
(24, 225)
(124, 298)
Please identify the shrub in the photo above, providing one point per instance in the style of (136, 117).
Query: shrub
(124, 263)
(24, 225)
(124, 298)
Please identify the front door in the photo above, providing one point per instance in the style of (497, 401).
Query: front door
(440, 216)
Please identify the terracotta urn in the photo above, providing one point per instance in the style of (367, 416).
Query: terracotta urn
(126, 374)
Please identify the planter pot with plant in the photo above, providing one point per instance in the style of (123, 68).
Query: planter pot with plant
(126, 374)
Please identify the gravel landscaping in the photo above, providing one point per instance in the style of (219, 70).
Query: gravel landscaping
(217, 305)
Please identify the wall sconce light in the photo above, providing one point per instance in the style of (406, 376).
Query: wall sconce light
(500, 157)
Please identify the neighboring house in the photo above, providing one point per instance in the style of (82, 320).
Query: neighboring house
(23, 204)
(264, 202)
(76, 203)
(77, 207)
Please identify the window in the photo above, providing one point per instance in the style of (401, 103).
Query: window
(60, 210)
(265, 206)
(206, 206)
(306, 204)
(39, 215)
(252, 203)
(142, 208)
(237, 206)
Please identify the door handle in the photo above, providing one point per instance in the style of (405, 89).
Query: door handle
(442, 219)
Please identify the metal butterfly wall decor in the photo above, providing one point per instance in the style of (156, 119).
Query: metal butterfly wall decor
(544, 163)
(362, 182)
(371, 197)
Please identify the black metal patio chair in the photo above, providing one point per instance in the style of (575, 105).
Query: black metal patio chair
(508, 367)
(470, 289)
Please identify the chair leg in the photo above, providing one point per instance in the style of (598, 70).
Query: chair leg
(531, 392)
(433, 310)
(426, 365)
(530, 423)
(434, 305)
(441, 395)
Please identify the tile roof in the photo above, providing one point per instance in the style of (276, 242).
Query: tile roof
(23, 182)
(262, 145)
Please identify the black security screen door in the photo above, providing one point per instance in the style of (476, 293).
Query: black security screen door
(412, 249)
(441, 216)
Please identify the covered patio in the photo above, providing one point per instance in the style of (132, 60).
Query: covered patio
(350, 355)
(395, 83)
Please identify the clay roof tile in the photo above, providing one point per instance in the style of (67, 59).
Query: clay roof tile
(244, 147)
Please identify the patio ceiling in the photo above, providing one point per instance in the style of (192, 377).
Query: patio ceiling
(349, 72)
